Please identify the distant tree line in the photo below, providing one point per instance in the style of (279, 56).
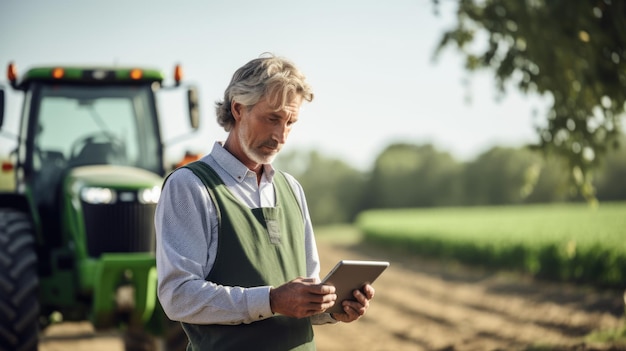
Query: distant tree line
(407, 175)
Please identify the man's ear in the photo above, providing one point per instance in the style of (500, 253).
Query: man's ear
(236, 109)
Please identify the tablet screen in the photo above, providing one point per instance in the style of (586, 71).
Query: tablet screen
(349, 275)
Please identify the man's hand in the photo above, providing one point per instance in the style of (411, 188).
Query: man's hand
(354, 310)
(302, 297)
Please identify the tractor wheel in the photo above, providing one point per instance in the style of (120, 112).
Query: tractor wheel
(19, 283)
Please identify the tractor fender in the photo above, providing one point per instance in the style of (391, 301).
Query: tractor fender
(16, 201)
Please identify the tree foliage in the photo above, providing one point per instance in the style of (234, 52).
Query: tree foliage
(406, 175)
(501, 176)
(611, 175)
(573, 52)
(333, 188)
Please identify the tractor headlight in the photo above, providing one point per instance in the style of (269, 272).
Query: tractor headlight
(149, 196)
(98, 196)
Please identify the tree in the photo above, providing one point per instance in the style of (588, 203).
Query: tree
(571, 51)
(406, 175)
(551, 182)
(610, 178)
(496, 177)
(333, 188)
(504, 176)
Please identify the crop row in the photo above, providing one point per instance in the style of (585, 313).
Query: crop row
(565, 242)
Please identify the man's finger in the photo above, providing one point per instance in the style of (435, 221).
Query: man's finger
(327, 289)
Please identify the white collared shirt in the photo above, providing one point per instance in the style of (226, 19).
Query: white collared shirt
(187, 229)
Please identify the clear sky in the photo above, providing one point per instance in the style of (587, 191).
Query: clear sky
(370, 63)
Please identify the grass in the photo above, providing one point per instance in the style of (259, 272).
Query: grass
(564, 242)
(339, 234)
(615, 337)
(557, 242)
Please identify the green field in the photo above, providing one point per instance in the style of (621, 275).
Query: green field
(564, 242)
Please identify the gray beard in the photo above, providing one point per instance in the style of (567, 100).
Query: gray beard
(251, 154)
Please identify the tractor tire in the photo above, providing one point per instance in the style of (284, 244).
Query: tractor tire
(19, 282)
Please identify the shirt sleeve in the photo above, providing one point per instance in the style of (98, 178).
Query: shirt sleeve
(186, 230)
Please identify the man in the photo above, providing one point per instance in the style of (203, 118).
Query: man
(236, 255)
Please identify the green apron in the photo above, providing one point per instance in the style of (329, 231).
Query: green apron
(256, 247)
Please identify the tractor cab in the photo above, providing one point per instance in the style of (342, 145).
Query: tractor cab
(97, 121)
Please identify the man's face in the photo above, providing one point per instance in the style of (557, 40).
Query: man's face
(262, 131)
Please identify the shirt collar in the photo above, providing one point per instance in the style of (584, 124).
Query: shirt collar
(234, 167)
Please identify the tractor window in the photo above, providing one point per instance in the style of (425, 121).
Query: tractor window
(91, 125)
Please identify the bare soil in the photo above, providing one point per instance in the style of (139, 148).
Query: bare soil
(428, 305)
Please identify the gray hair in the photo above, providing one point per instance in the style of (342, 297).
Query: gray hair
(276, 79)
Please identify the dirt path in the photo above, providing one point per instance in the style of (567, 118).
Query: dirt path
(421, 305)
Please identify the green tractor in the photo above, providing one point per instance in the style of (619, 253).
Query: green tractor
(77, 238)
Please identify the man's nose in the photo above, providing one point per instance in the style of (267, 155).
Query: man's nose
(281, 132)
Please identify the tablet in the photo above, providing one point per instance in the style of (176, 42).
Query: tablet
(349, 275)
